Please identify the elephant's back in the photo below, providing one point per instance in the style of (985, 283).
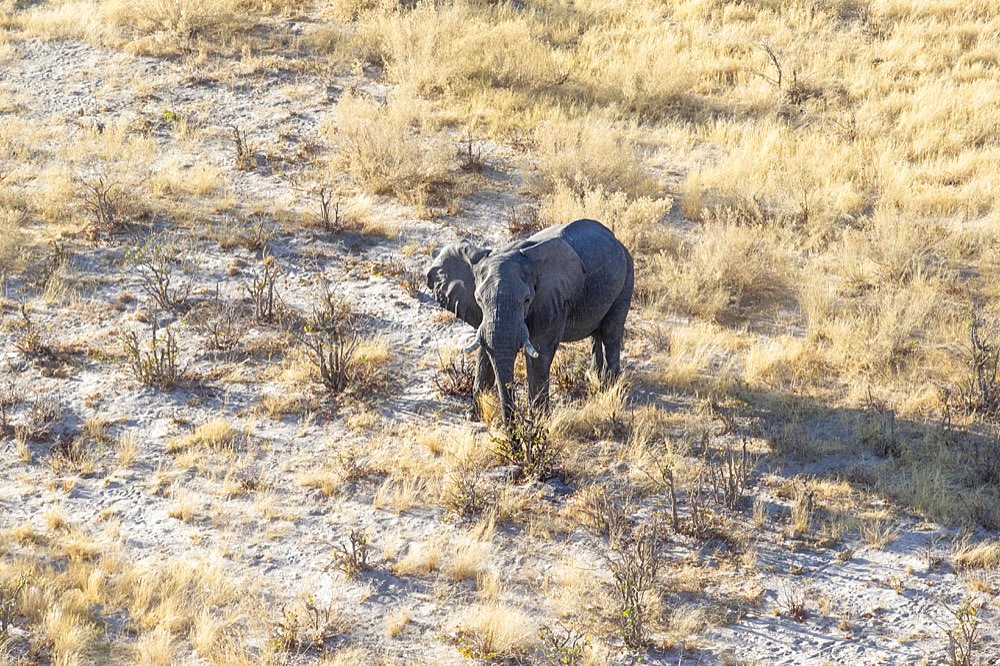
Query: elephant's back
(609, 276)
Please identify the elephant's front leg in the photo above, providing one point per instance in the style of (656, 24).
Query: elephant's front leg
(484, 381)
(538, 379)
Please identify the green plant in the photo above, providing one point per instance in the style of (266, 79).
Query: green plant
(155, 363)
(351, 557)
(563, 646)
(524, 442)
(635, 560)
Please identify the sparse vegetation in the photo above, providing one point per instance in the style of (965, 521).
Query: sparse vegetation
(154, 362)
(810, 403)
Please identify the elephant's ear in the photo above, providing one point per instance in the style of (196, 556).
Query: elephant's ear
(451, 280)
(559, 271)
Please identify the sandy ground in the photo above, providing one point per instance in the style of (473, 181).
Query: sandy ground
(877, 606)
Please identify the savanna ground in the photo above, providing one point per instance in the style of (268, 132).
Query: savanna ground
(232, 418)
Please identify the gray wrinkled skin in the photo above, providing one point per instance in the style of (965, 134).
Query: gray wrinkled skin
(565, 283)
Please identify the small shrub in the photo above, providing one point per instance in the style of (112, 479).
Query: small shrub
(963, 637)
(262, 289)
(42, 414)
(245, 158)
(222, 324)
(10, 396)
(981, 390)
(525, 443)
(455, 376)
(730, 474)
(608, 511)
(635, 562)
(563, 646)
(792, 603)
(105, 201)
(352, 557)
(466, 489)
(154, 363)
(155, 263)
(29, 338)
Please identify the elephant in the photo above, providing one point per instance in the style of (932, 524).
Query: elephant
(563, 284)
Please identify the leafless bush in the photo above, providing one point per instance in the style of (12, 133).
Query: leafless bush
(523, 222)
(10, 396)
(455, 376)
(563, 646)
(352, 557)
(730, 473)
(43, 413)
(793, 604)
(608, 511)
(635, 561)
(697, 521)
(245, 159)
(220, 323)
(154, 363)
(156, 263)
(470, 156)
(329, 334)
(882, 417)
(105, 200)
(324, 196)
(262, 289)
(981, 390)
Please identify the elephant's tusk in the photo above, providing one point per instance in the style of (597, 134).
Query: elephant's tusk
(530, 348)
(474, 346)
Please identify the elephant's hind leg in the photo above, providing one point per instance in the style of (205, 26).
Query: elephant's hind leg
(612, 332)
(597, 354)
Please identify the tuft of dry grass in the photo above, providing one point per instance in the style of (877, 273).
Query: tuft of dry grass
(497, 631)
(983, 555)
(377, 145)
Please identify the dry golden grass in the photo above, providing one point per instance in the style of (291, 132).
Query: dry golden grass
(797, 242)
(984, 555)
(498, 630)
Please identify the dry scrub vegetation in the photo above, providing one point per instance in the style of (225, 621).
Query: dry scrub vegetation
(232, 422)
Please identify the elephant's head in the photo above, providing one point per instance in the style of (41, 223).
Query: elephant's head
(504, 293)
(525, 288)
(451, 280)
